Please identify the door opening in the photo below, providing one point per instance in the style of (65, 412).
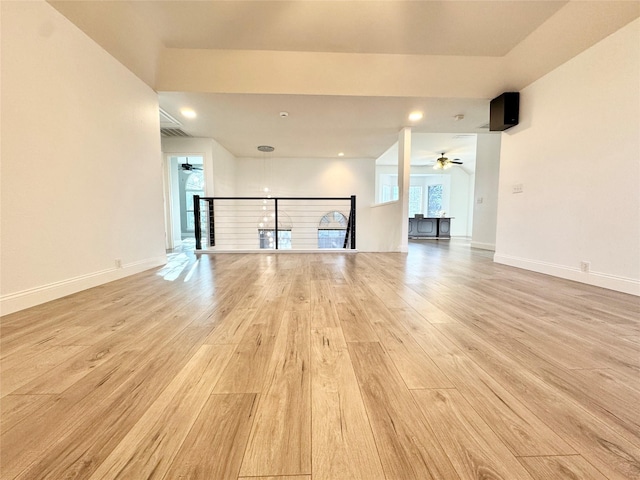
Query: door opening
(186, 179)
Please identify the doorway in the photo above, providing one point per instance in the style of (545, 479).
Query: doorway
(185, 179)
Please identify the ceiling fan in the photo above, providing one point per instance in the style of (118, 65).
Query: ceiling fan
(189, 167)
(443, 162)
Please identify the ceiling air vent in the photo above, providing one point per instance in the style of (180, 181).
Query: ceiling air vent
(173, 132)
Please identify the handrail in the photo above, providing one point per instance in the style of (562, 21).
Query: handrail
(274, 198)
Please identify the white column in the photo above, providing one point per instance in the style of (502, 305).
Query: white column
(404, 172)
(485, 210)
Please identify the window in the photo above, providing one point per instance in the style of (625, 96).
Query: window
(195, 181)
(267, 239)
(434, 200)
(266, 230)
(332, 230)
(389, 193)
(415, 199)
(333, 238)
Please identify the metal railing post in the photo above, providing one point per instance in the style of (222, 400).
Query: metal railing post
(276, 222)
(347, 232)
(212, 225)
(196, 215)
(353, 222)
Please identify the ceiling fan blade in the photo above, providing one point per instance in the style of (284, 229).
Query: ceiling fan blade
(456, 161)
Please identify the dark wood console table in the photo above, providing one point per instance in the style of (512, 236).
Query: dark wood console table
(430, 227)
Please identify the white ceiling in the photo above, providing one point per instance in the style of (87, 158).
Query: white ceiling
(490, 28)
(321, 126)
(427, 147)
(204, 50)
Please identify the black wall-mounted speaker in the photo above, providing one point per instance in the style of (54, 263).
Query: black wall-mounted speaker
(504, 111)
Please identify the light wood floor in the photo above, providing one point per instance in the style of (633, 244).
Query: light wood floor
(438, 364)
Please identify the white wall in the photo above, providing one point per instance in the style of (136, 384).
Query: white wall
(388, 234)
(81, 172)
(576, 154)
(485, 208)
(462, 185)
(224, 167)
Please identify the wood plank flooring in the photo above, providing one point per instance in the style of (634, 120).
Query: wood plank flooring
(436, 364)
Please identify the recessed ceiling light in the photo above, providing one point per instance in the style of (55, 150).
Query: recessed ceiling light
(415, 116)
(341, 154)
(188, 113)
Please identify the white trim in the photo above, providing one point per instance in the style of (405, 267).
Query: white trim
(14, 302)
(603, 280)
(484, 246)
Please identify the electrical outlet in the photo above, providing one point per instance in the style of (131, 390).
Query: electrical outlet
(118, 263)
(585, 267)
(480, 200)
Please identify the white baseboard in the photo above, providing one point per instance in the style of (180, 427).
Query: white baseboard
(484, 246)
(14, 302)
(597, 279)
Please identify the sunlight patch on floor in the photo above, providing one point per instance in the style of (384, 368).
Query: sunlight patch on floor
(176, 263)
